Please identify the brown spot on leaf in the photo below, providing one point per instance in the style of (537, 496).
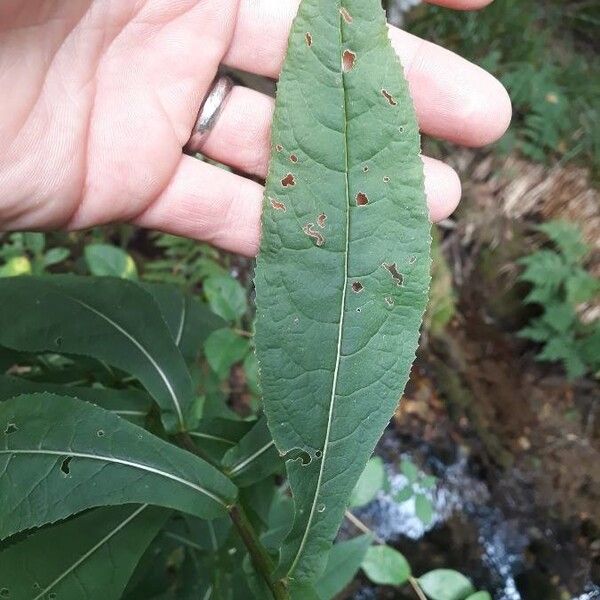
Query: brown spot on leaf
(396, 275)
(357, 287)
(277, 205)
(362, 199)
(288, 180)
(391, 100)
(346, 15)
(309, 230)
(309, 40)
(348, 60)
(321, 219)
(293, 158)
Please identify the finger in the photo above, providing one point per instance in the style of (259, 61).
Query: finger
(207, 203)
(241, 139)
(210, 204)
(454, 99)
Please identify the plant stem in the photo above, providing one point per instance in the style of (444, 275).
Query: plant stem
(417, 588)
(362, 527)
(185, 441)
(260, 559)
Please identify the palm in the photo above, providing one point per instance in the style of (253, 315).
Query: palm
(127, 109)
(99, 98)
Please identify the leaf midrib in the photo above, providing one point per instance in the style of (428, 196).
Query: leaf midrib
(143, 350)
(120, 461)
(342, 316)
(91, 551)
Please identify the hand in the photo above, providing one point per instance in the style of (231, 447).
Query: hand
(99, 97)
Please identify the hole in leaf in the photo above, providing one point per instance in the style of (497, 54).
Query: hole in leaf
(65, 466)
(277, 205)
(358, 310)
(321, 508)
(366, 169)
(348, 61)
(293, 158)
(401, 129)
(288, 180)
(386, 179)
(412, 260)
(100, 433)
(389, 301)
(10, 428)
(309, 230)
(318, 454)
(357, 287)
(4, 593)
(309, 39)
(346, 15)
(391, 100)
(58, 341)
(321, 219)
(362, 199)
(396, 275)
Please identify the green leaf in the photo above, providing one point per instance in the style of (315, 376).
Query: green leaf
(35, 242)
(343, 272)
(581, 286)
(109, 319)
(89, 557)
(423, 509)
(480, 596)
(224, 348)
(189, 320)
(385, 566)
(445, 584)
(544, 268)
(55, 256)
(254, 458)
(343, 563)
(133, 405)
(19, 265)
(567, 237)
(409, 470)
(404, 494)
(105, 260)
(226, 297)
(60, 456)
(371, 481)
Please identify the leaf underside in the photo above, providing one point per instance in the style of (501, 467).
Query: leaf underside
(343, 273)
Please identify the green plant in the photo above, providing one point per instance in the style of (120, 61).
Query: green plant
(559, 284)
(26, 254)
(118, 424)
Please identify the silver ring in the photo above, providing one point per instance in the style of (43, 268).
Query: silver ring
(209, 112)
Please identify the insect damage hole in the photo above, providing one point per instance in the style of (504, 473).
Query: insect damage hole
(357, 287)
(321, 220)
(65, 466)
(348, 61)
(309, 39)
(309, 230)
(386, 179)
(293, 158)
(288, 180)
(279, 148)
(346, 15)
(396, 275)
(10, 428)
(362, 199)
(391, 100)
(277, 205)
